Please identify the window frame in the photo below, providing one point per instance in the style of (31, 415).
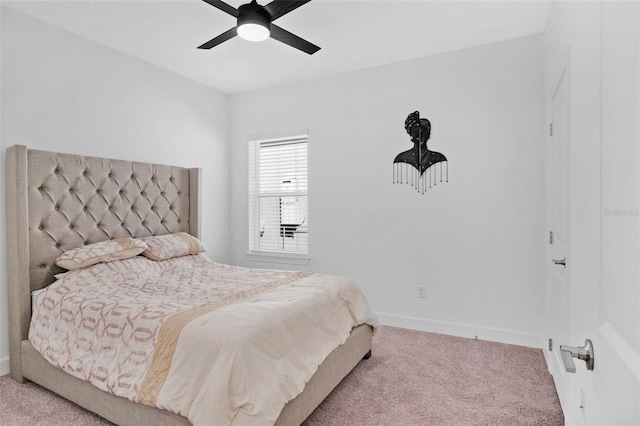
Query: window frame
(265, 255)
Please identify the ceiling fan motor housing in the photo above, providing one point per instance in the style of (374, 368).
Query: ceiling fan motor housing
(253, 13)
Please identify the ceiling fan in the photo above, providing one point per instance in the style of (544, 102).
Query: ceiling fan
(255, 23)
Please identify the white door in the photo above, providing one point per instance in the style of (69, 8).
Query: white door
(609, 310)
(557, 291)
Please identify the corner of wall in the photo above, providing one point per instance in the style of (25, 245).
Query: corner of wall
(4, 316)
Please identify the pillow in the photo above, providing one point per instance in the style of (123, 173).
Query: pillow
(104, 251)
(164, 247)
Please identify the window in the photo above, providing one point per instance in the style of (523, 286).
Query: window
(278, 199)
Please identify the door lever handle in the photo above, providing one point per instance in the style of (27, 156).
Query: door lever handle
(562, 262)
(584, 353)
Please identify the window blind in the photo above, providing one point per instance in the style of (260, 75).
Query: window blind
(278, 197)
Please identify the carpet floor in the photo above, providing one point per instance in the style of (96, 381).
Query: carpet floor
(413, 378)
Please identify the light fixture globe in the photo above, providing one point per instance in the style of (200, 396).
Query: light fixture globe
(253, 32)
(254, 23)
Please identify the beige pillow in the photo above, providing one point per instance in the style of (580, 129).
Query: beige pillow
(104, 251)
(164, 247)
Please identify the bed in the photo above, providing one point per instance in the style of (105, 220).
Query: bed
(57, 202)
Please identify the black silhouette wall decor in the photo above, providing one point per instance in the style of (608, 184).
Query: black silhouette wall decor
(409, 167)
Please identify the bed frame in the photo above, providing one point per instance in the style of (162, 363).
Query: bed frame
(56, 202)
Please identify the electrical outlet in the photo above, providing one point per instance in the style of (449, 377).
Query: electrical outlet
(550, 344)
(421, 292)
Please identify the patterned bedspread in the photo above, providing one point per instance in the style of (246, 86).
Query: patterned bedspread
(215, 343)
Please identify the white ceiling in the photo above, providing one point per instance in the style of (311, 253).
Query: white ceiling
(353, 34)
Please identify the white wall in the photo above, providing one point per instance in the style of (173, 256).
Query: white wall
(67, 94)
(476, 242)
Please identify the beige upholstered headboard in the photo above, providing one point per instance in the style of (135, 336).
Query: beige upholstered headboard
(56, 202)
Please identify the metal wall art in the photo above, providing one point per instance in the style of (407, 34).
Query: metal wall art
(417, 166)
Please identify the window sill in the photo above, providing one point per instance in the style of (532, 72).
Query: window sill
(286, 258)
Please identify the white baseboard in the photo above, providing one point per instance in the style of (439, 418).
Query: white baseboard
(511, 337)
(4, 366)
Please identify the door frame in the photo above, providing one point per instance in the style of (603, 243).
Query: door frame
(553, 357)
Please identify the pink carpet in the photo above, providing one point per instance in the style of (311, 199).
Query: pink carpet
(413, 378)
(417, 378)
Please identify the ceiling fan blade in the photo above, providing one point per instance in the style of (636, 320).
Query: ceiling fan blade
(220, 39)
(223, 7)
(278, 8)
(293, 40)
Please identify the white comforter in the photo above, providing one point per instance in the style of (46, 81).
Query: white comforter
(218, 344)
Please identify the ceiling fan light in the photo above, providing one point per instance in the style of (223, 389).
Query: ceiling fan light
(253, 32)
(254, 22)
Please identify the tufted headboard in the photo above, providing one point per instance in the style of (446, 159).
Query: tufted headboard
(56, 202)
